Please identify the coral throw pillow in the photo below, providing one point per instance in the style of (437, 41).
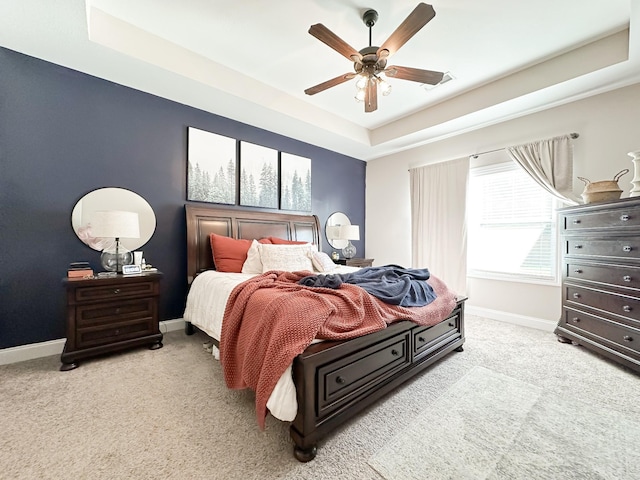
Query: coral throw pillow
(282, 241)
(229, 254)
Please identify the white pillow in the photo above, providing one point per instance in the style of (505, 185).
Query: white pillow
(290, 258)
(252, 264)
(321, 261)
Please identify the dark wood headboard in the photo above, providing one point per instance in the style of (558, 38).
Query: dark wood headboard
(235, 223)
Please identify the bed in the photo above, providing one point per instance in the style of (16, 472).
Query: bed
(333, 380)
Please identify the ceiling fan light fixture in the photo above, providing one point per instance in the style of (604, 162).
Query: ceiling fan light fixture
(361, 81)
(385, 87)
(360, 94)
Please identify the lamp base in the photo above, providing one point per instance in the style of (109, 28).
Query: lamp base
(349, 251)
(113, 262)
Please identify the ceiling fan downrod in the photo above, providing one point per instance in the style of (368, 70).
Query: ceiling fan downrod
(370, 18)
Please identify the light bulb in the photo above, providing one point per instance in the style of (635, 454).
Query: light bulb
(385, 87)
(361, 82)
(360, 94)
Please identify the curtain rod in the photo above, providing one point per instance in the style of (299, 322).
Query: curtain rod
(476, 155)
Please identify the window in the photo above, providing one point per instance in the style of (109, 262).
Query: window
(511, 226)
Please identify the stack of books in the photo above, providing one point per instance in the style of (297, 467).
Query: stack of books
(79, 270)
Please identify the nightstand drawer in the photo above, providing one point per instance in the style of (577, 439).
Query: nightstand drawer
(113, 292)
(96, 314)
(114, 332)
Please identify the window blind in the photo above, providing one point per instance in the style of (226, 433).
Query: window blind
(511, 221)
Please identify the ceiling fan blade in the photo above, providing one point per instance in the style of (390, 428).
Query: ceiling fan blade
(414, 74)
(326, 36)
(417, 19)
(329, 83)
(371, 97)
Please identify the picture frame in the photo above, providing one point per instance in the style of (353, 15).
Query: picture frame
(259, 176)
(295, 182)
(212, 167)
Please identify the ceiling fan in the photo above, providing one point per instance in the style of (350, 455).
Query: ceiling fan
(371, 61)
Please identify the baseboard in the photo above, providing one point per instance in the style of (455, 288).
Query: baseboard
(531, 322)
(55, 347)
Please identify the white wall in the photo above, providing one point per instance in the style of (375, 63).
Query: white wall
(609, 127)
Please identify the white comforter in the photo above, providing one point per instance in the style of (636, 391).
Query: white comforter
(205, 307)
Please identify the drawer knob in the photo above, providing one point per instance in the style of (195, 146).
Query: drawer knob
(577, 270)
(116, 291)
(626, 278)
(624, 218)
(627, 338)
(575, 320)
(627, 308)
(451, 324)
(395, 352)
(340, 380)
(576, 222)
(117, 332)
(577, 247)
(421, 339)
(117, 311)
(627, 248)
(576, 295)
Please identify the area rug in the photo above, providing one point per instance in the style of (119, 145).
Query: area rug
(491, 426)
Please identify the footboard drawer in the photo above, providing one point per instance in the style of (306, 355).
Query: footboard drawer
(425, 339)
(360, 371)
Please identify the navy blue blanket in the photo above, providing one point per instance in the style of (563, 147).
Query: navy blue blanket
(392, 284)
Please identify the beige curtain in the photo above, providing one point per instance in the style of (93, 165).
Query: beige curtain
(438, 226)
(550, 163)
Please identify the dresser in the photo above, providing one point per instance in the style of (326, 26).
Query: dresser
(355, 262)
(105, 315)
(601, 279)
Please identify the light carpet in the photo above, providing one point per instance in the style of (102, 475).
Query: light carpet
(492, 426)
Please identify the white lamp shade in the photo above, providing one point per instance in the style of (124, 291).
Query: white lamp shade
(115, 224)
(349, 232)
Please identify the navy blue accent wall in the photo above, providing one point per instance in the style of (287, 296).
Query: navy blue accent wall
(64, 133)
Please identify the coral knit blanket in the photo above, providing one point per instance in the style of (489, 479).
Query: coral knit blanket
(270, 319)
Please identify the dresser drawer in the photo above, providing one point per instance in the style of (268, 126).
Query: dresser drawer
(599, 328)
(113, 292)
(427, 338)
(99, 313)
(619, 218)
(625, 248)
(362, 370)
(608, 302)
(615, 275)
(113, 332)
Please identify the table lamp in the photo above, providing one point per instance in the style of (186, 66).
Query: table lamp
(115, 224)
(349, 232)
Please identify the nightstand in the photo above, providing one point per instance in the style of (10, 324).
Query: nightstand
(355, 262)
(105, 315)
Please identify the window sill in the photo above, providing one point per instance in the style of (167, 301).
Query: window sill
(514, 278)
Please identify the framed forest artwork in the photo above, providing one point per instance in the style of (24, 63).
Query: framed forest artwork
(211, 170)
(258, 176)
(295, 187)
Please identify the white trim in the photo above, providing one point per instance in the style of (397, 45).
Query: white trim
(55, 347)
(514, 318)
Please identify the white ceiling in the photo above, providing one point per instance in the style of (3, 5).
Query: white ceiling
(251, 60)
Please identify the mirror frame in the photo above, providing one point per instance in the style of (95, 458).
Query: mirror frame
(112, 198)
(336, 219)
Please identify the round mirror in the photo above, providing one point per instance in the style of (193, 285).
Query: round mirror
(112, 199)
(332, 229)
